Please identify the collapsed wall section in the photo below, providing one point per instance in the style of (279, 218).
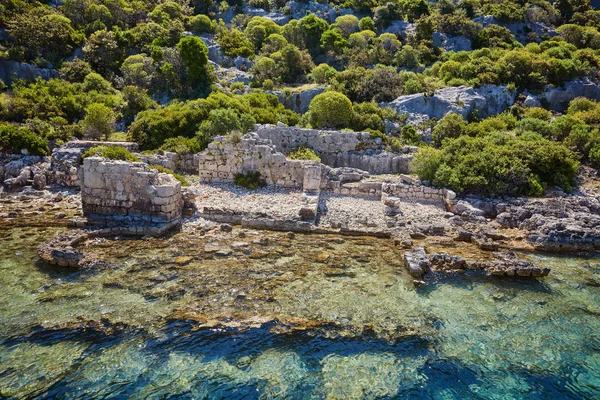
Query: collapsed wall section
(225, 157)
(67, 159)
(339, 149)
(131, 196)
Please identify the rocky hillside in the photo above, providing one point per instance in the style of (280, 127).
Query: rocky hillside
(463, 80)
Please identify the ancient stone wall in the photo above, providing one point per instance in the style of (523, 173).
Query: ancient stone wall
(375, 162)
(187, 163)
(339, 149)
(67, 159)
(224, 158)
(406, 191)
(130, 195)
(402, 191)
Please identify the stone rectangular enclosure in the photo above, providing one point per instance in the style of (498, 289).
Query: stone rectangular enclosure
(130, 196)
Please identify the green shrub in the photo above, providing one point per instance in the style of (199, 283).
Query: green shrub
(303, 153)
(13, 139)
(451, 126)
(182, 145)
(498, 164)
(537, 112)
(330, 110)
(594, 155)
(202, 24)
(249, 180)
(409, 134)
(164, 170)
(112, 153)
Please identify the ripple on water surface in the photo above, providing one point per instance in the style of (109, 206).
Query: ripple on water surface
(139, 327)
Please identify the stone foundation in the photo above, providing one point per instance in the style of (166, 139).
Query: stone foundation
(119, 193)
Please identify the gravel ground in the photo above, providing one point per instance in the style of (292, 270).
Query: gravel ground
(338, 211)
(274, 201)
(423, 212)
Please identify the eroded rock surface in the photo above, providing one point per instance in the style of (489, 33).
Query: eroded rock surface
(484, 101)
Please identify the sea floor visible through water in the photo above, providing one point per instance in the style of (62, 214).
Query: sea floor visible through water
(245, 315)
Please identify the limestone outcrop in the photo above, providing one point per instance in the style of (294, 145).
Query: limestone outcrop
(558, 98)
(520, 29)
(19, 171)
(488, 100)
(451, 43)
(131, 195)
(297, 101)
(12, 70)
(484, 101)
(502, 264)
(561, 224)
(62, 250)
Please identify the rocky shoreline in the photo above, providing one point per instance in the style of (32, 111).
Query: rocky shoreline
(132, 200)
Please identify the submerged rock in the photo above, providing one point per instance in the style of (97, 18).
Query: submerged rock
(61, 251)
(503, 264)
(417, 263)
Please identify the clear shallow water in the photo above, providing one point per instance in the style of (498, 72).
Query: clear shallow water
(353, 324)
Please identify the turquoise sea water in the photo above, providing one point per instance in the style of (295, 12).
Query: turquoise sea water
(139, 327)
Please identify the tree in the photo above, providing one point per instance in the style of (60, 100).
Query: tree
(75, 71)
(202, 24)
(381, 84)
(312, 28)
(99, 121)
(234, 43)
(166, 11)
(347, 24)
(408, 57)
(322, 73)
(413, 9)
(273, 43)
(135, 100)
(409, 134)
(330, 110)
(292, 64)
(333, 42)
(367, 24)
(42, 33)
(451, 126)
(138, 70)
(194, 55)
(260, 28)
(104, 51)
(264, 68)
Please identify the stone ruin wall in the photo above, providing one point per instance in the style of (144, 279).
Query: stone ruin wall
(404, 191)
(223, 159)
(130, 195)
(187, 163)
(339, 149)
(409, 191)
(67, 159)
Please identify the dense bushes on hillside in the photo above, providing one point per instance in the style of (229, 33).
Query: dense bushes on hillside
(139, 66)
(15, 139)
(203, 119)
(498, 164)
